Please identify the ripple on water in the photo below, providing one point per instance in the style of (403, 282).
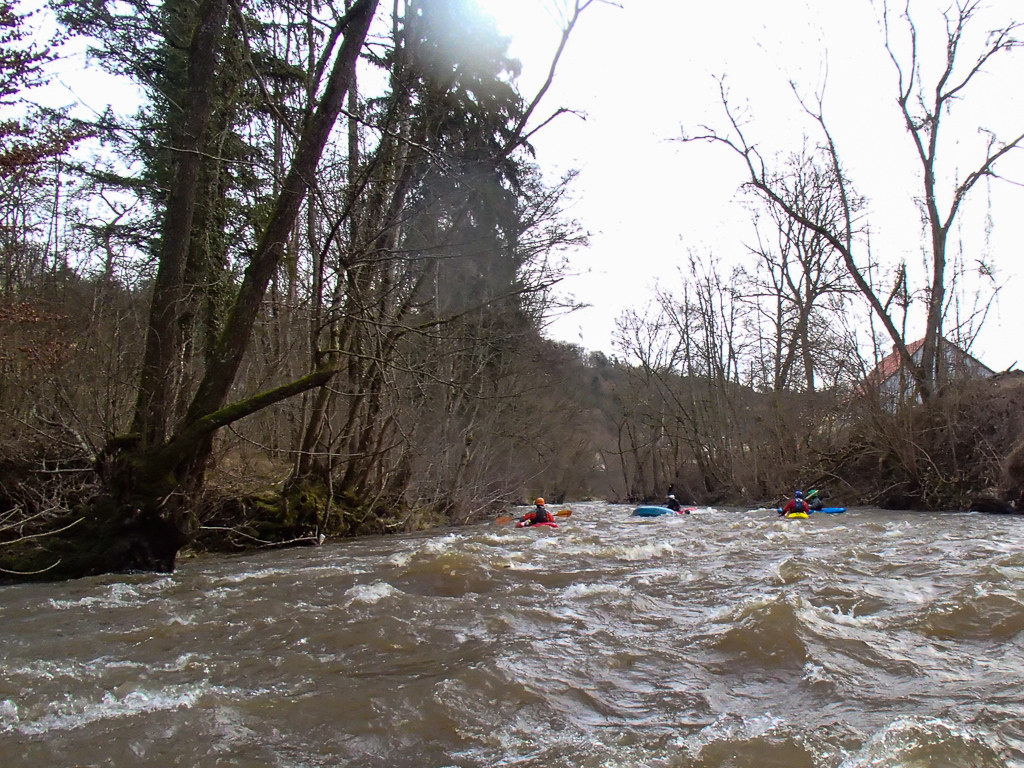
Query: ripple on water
(445, 570)
(737, 741)
(765, 632)
(923, 741)
(974, 614)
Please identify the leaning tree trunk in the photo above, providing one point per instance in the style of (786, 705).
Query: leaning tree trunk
(154, 404)
(146, 513)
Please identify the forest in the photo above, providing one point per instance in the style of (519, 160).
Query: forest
(302, 293)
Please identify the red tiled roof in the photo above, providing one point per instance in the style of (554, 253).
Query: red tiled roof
(890, 364)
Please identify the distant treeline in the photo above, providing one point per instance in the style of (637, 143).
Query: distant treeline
(514, 417)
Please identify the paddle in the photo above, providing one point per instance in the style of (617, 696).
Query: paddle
(505, 519)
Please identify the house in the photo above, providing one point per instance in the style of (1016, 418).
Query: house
(894, 383)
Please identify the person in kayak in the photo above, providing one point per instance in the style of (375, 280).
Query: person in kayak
(540, 514)
(796, 504)
(673, 503)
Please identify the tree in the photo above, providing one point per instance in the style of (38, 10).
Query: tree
(798, 286)
(680, 409)
(149, 475)
(446, 242)
(432, 221)
(924, 102)
(33, 141)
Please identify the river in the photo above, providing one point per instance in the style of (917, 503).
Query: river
(721, 638)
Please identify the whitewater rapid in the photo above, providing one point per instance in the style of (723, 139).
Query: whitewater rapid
(722, 638)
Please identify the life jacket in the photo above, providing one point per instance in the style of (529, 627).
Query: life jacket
(541, 515)
(799, 505)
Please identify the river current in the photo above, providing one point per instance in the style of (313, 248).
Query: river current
(721, 638)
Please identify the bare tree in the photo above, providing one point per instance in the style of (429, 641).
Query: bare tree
(799, 284)
(679, 411)
(923, 102)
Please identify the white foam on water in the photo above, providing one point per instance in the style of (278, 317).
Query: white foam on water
(836, 615)
(46, 670)
(587, 590)
(547, 541)
(400, 559)
(342, 565)
(813, 673)
(439, 545)
(837, 529)
(921, 595)
(645, 551)
(731, 728)
(74, 713)
(8, 715)
(699, 511)
(1010, 574)
(729, 614)
(896, 744)
(260, 573)
(495, 537)
(368, 594)
(117, 595)
(786, 531)
(230, 729)
(101, 665)
(221, 593)
(183, 662)
(898, 529)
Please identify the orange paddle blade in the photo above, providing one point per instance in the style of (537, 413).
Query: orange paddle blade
(563, 512)
(503, 519)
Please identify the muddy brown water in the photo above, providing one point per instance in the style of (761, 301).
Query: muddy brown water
(722, 638)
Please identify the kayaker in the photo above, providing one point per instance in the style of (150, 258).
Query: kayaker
(817, 505)
(796, 504)
(672, 504)
(540, 514)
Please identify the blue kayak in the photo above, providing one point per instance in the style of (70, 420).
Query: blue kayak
(825, 510)
(652, 511)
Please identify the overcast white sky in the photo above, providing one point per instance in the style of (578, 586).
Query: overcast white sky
(644, 70)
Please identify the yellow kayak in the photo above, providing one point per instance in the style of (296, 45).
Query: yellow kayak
(797, 515)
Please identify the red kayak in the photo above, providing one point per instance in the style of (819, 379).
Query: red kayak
(524, 524)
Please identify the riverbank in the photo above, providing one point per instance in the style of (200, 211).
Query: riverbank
(960, 452)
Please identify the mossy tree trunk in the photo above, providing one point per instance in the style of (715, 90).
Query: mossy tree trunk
(150, 481)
